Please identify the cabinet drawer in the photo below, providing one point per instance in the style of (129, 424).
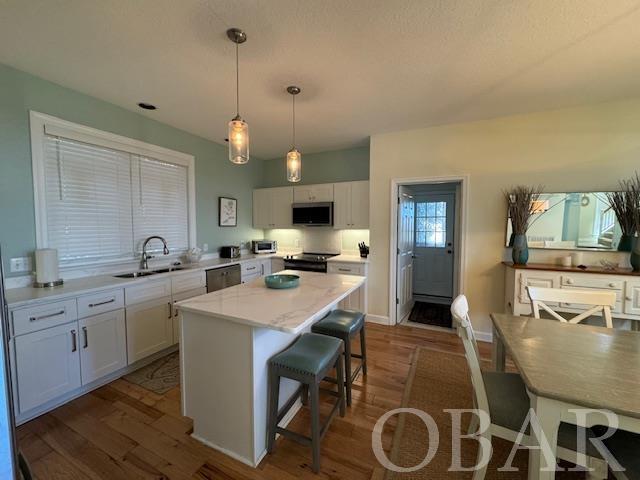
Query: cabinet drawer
(345, 268)
(538, 279)
(100, 302)
(147, 291)
(187, 281)
(591, 281)
(249, 268)
(31, 319)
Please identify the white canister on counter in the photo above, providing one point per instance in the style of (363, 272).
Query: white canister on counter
(577, 258)
(47, 273)
(565, 261)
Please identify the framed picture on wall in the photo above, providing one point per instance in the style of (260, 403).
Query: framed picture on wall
(227, 212)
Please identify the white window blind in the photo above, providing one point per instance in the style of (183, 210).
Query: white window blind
(160, 203)
(102, 203)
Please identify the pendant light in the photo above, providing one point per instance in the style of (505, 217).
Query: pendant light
(238, 128)
(294, 158)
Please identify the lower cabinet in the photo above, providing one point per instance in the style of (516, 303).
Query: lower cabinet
(178, 297)
(277, 265)
(149, 328)
(47, 364)
(103, 346)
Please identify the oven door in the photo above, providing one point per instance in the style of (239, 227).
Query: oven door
(303, 266)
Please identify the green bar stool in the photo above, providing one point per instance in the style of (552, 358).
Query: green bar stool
(307, 361)
(345, 325)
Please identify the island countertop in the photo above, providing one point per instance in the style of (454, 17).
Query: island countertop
(286, 310)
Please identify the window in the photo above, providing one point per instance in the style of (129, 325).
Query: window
(98, 195)
(431, 224)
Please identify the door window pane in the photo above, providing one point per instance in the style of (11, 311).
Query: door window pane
(431, 224)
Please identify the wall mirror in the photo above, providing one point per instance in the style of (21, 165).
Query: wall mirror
(572, 221)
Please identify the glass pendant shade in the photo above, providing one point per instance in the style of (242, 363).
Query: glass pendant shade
(238, 141)
(294, 165)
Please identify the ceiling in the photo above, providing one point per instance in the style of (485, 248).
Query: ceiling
(365, 66)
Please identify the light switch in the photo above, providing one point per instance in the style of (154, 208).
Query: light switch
(20, 264)
(205, 247)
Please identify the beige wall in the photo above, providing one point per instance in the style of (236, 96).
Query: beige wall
(577, 149)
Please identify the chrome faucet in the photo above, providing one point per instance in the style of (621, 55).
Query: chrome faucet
(144, 264)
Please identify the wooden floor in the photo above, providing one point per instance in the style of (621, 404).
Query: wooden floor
(122, 431)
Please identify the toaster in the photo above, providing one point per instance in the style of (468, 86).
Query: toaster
(229, 251)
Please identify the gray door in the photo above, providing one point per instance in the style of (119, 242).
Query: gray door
(434, 236)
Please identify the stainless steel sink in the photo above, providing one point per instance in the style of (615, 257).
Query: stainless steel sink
(134, 274)
(146, 273)
(169, 269)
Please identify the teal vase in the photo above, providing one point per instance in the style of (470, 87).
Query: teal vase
(635, 254)
(626, 243)
(520, 252)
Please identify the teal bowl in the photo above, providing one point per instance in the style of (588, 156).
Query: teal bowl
(282, 281)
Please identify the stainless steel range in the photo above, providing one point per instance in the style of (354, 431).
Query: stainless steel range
(308, 262)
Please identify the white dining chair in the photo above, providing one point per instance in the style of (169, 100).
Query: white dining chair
(503, 396)
(597, 302)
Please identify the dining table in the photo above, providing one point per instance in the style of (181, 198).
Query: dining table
(567, 367)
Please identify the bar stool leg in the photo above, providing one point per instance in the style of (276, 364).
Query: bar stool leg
(363, 350)
(347, 367)
(340, 374)
(274, 394)
(315, 424)
(305, 395)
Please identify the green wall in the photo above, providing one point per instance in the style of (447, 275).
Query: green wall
(215, 175)
(325, 167)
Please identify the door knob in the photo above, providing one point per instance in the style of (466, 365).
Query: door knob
(449, 251)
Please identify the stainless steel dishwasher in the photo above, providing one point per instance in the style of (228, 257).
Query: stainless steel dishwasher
(223, 277)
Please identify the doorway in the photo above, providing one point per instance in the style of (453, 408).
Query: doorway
(427, 239)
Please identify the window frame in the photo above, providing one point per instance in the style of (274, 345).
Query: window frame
(42, 124)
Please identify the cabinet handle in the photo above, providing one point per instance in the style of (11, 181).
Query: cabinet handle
(91, 305)
(51, 315)
(344, 269)
(175, 312)
(74, 341)
(251, 268)
(170, 312)
(628, 299)
(612, 285)
(86, 337)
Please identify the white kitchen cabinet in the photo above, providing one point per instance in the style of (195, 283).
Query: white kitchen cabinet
(272, 207)
(103, 345)
(149, 328)
(187, 281)
(357, 300)
(313, 193)
(277, 265)
(351, 205)
(250, 270)
(265, 266)
(47, 364)
(179, 297)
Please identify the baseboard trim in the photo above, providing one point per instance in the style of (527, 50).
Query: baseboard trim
(379, 319)
(484, 336)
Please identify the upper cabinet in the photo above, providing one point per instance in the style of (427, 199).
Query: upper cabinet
(351, 205)
(313, 193)
(272, 207)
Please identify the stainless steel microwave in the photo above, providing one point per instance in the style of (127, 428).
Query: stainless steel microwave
(264, 246)
(313, 214)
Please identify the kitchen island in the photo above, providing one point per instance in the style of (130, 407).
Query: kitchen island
(227, 338)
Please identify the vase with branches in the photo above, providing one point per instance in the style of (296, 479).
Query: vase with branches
(520, 206)
(626, 206)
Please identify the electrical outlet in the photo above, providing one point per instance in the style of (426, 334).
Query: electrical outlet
(20, 264)
(205, 247)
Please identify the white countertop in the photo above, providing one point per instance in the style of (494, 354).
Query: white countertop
(347, 258)
(287, 310)
(19, 297)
